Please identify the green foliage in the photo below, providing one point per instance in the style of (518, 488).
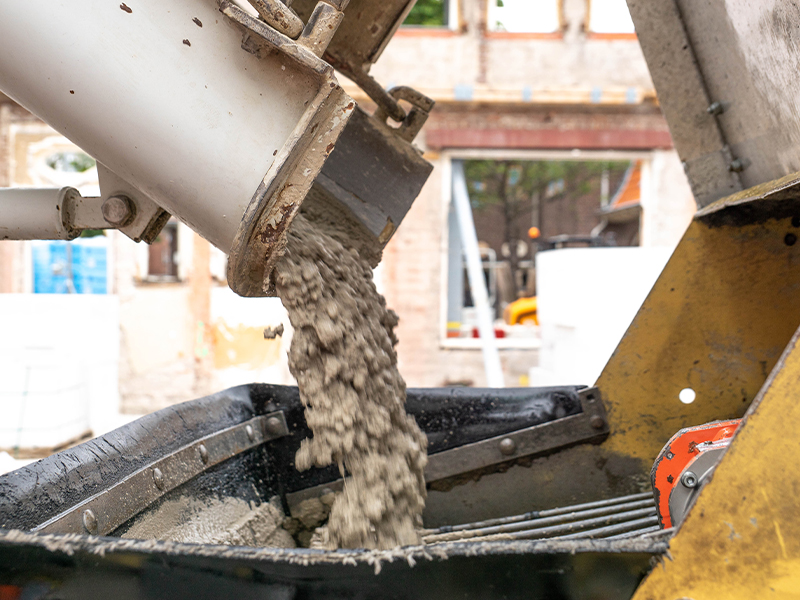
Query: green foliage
(71, 162)
(427, 12)
(517, 187)
(89, 233)
(513, 184)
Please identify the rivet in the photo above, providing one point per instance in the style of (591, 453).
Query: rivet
(508, 446)
(736, 165)
(203, 453)
(274, 425)
(158, 478)
(689, 479)
(250, 433)
(89, 521)
(597, 422)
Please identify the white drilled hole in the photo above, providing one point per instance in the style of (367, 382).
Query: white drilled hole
(687, 395)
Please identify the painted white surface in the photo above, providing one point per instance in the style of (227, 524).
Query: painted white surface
(235, 311)
(587, 299)
(200, 153)
(58, 367)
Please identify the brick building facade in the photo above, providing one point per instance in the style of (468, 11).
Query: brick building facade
(570, 93)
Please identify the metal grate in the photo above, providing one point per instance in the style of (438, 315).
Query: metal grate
(616, 518)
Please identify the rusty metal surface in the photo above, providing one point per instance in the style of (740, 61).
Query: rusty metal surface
(279, 16)
(741, 538)
(368, 169)
(413, 121)
(367, 28)
(260, 239)
(107, 510)
(322, 25)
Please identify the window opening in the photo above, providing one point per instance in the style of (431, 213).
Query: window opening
(524, 207)
(609, 17)
(525, 16)
(429, 13)
(163, 253)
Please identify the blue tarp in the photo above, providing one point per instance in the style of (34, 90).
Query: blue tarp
(89, 261)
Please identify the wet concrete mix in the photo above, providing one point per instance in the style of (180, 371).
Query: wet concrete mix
(343, 357)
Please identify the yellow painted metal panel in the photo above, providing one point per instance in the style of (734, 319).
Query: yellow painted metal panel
(741, 540)
(716, 321)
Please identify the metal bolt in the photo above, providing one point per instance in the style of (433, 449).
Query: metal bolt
(274, 425)
(715, 108)
(203, 453)
(89, 521)
(118, 211)
(736, 166)
(689, 479)
(251, 435)
(158, 478)
(597, 422)
(508, 446)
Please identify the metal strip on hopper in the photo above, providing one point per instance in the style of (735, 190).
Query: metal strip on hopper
(588, 426)
(104, 512)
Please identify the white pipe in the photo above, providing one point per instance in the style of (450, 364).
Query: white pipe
(162, 94)
(477, 284)
(35, 214)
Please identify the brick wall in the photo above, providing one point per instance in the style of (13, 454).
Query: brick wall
(412, 283)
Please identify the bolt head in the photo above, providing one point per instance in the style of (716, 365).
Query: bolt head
(274, 425)
(508, 446)
(250, 433)
(89, 521)
(118, 211)
(597, 422)
(689, 479)
(203, 453)
(158, 478)
(737, 166)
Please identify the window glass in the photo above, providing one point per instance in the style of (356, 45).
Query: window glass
(163, 252)
(428, 13)
(524, 16)
(609, 16)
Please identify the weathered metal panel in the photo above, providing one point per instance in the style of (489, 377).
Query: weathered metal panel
(741, 539)
(741, 54)
(750, 56)
(682, 93)
(716, 321)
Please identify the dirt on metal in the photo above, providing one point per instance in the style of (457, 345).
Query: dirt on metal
(343, 357)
